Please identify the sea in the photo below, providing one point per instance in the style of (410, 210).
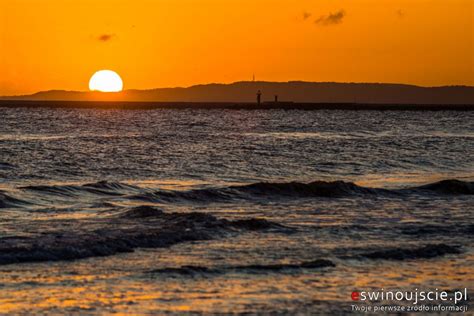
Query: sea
(189, 211)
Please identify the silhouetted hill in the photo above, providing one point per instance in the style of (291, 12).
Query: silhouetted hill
(295, 91)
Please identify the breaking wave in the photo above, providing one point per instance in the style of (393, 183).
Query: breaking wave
(139, 227)
(267, 190)
(255, 191)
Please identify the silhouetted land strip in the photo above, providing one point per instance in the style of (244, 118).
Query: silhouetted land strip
(230, 105)
(243, 93)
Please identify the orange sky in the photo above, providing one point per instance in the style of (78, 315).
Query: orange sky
(59, 44)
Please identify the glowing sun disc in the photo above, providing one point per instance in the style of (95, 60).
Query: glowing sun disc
(106, 81)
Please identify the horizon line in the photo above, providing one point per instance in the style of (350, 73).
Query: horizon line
(236, 82)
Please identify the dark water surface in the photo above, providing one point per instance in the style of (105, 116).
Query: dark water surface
(109, 211)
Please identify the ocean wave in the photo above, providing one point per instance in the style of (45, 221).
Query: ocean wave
(268, 190)
(139, 227)
(111, 186)
(454, 187)
(8, 201)
(251, 224)
(97, 188)
(190, 270)
(260, 191)
(341, 189)
(197, 195)
(316, 188)
(63, 190)
(424, 252)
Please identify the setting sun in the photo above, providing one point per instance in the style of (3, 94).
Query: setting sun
(106, 81)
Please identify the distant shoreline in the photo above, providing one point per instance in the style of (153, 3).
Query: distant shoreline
(129, 105)
(244, 95)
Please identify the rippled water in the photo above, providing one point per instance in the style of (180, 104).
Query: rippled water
(113, 211)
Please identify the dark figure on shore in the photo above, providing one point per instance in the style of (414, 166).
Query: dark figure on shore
(276, 98)
(259, 97)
